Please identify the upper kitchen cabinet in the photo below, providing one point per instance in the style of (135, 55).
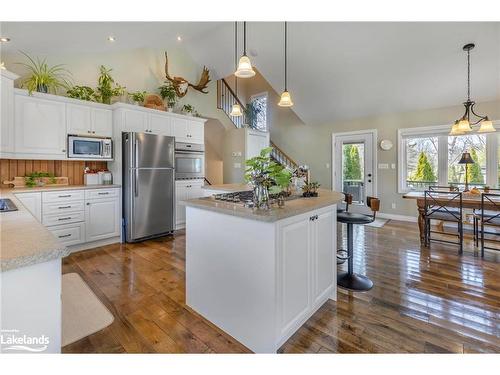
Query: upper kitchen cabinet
(189, 130)
(160, 124)
(89, 120)
(40, 128)
(7, 113)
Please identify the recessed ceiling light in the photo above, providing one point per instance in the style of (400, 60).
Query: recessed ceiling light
(4, 39)
(111, 38)
(179, 38)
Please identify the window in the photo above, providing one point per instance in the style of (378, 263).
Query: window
(257, 112)
(429, 156)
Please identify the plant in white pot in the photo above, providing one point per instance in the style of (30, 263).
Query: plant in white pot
(169, 96)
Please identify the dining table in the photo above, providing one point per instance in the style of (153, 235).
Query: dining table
(469, 200)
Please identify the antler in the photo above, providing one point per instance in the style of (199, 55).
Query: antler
(166, 69)
(203, 83)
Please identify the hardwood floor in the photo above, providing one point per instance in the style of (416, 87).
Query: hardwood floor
(423, 301)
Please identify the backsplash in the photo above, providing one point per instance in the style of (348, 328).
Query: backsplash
(73, 169)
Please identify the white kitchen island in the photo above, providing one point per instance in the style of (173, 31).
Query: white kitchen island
(259, 275)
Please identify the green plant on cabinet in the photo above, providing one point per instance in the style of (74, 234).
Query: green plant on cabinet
(138, 96)
(167, 92)
(83, 93)
(107, 88)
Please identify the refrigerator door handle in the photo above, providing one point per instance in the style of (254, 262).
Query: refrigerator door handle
(136, 182)
(136, 153)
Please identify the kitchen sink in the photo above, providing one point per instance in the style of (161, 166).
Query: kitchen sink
(7, 205)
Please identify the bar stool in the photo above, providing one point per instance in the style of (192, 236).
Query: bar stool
(349, 279)
(342, 253)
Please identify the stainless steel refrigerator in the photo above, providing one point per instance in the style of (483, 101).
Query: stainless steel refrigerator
(148, 185)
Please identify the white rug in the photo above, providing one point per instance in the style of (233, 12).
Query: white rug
(378, 223)
(82, 312)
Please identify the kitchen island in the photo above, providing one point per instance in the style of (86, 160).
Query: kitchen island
(259, 275)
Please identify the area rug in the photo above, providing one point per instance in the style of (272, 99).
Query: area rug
(378, 223)
(82, 312)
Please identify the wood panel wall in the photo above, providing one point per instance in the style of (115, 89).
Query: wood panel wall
(73, 169)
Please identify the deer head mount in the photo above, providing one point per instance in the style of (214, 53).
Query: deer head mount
(181, 85)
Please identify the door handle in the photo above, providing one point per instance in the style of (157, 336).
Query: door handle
(136, 153)
(136, 182)
(369, 180)
(369, 174)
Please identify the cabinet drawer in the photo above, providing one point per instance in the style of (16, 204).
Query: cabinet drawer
(101, 193)
(56, 208)
(69, 234)
(63, 218)
(62, 196)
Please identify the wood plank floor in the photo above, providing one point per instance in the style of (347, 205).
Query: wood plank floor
(423, 301)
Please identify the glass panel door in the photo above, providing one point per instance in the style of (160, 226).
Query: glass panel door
(353, 171)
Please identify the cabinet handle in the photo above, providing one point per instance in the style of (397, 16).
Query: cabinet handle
(106, 193)
(63, 150)
(88, 204)
(88, 131)
(64, 218)
(93, 132)
(64, 196)
(63, 207)
(64, 235)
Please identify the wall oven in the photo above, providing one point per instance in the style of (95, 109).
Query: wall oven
(189, 161)
(90, 148)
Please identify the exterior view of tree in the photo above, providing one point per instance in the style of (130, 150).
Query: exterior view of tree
(352, 163)
(424, 171)
(474, 173)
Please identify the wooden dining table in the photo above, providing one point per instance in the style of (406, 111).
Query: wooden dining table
(472, 201)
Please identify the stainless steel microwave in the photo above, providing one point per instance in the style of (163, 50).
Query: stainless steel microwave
(189, 161)
(90, 148)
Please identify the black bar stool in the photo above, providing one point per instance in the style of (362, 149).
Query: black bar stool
(342, 253)
(349, 279)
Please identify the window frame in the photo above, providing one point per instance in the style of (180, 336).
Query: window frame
(266, 95)
(442, 132)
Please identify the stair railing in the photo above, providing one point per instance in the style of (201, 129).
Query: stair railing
(281, 157)
(225, 100)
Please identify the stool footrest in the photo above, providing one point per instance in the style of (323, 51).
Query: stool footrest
(354, 282)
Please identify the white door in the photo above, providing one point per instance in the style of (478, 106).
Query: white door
(102, 219)
(40, 127)
(354, 166)
(134, 121)
(161, 125)
(255, 141)
(102, 122)
(79, 119)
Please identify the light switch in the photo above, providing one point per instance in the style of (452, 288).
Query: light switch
(393, 165)
(383, 166)
(237, 165)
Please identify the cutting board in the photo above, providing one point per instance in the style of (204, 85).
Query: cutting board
(20, 182)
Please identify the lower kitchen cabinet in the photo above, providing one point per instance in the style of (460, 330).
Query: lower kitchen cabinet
(69, 234)
(184, 190)
(102, 219)
(32, 202)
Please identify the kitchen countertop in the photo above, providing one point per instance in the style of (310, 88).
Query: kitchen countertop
(292, 207)
(230, 188)
(24, 241)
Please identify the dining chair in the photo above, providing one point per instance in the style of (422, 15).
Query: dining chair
(477, 218)
(445, 206)
(490, 216)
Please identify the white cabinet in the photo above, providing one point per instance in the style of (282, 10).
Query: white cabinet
(134, 121)
(102, 219)
(86, 120)
(40, 128)
(7, 112)
(306, 240)
(184, 190)
(187, 130)
(160, 124)
(32, 202)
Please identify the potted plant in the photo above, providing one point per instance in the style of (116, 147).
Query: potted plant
(138, 97)
(107, 88)
(82, 93)
(310, 189)
(44, 78)
(188, 109)
(265, 174)
(168, 94)
(37, 179)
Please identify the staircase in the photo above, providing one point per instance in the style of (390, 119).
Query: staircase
(225, 100)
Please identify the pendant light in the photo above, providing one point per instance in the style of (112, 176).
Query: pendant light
(236, 108)
(244, 69)
(464, 124)
(285, 100)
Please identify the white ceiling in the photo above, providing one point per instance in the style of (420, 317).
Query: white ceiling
(336, 70)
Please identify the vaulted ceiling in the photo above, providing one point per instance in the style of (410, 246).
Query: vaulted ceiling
(337, 70)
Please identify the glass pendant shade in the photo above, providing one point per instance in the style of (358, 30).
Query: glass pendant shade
(236, 110)
(285, 100)
(464, 126)
(244, 69)
(486, 127)
(454, 129)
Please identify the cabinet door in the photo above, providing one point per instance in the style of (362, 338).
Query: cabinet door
(324, 257)
(181, 194)
(79, 119)
(134, 121)
(294, 269)
(195, 190)
(180, 129)
(102, 219)
(161, 125)
(102, 122)
(32, 202)
(196, 132)
(40, 127)
(7, 115)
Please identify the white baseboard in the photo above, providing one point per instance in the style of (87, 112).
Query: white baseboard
(93, 244)
(412, 219)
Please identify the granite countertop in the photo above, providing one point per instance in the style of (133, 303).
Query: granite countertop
(24, 241)
(292, 207)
